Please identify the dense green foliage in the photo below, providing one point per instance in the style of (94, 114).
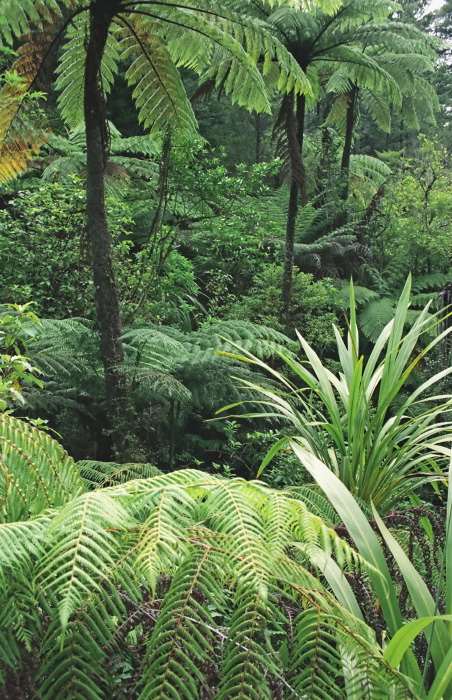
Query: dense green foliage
(225, 255)
(119, 594)
(374, 447)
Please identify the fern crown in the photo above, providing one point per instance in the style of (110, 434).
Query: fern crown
(156, 39)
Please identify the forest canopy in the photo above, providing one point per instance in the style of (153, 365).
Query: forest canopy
(225, 394)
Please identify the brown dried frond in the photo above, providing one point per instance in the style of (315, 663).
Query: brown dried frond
(287, 145)
(204, 90)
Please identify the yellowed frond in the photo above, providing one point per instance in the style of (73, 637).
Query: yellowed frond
(21, 128)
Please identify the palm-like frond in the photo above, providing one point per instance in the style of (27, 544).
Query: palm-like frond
(98, 475)
(214, 570)
(22, 127)
(35, 472)
(71, 70)
(157, 40)
(159, 92)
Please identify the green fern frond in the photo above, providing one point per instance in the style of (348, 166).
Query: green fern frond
(158, 90)
(432, 280)
(164, 539)
(84, 550)
(71, 70)
(21, 541)
(230, 560)
(248, 656)
(35, 472)
(97, 475)
(153, 348)
(378, 107)
(362, 294)
(311, 675)
(367, 175)
(337, 116)
(68, 158)
(315, 503)
(16, 16)
(376, 314)
(69, 664)
(184, 634)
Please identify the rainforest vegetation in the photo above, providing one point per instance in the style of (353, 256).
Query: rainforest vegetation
(225, 350)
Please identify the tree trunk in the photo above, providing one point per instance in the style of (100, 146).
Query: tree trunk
(172, 427)
(346, 153)
(298, 186)
(258, 128)
(105, 291)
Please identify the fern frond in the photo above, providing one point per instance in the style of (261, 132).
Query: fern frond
(230, 560)
(18, 15)
(315, 503)
(83, 551)
(376, 314)
(21, 541)
(378, 107)
(35, 472)
(248, 657)
(71, 70)
(367, 175)
(261, 340)
(153, 348)
(74, 662)
(432, 280)
(22, 126)
(97, 475)
(164, 539)
(158, 90)
(184, 634)
(362, 294)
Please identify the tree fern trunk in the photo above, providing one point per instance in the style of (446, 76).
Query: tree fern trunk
(172, 426)
(298, 186)
(105, 291)
(346, 153)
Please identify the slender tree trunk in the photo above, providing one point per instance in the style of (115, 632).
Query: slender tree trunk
(346, 153)
(258, 127)
(298, 187)
(172, 426)
(105, 291)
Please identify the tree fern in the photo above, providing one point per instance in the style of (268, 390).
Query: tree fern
(166, 370)
(158, 38)
(214, 570)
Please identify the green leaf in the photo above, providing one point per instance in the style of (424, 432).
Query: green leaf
(403, 637)
(420, 595)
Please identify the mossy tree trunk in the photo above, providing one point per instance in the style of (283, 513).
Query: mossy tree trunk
(298, 193)
(349, 129)
(105, 289)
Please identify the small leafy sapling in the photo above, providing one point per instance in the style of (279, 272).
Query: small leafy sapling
(18, 326)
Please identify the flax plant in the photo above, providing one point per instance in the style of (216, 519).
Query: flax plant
(380, 450)
(436, 628)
